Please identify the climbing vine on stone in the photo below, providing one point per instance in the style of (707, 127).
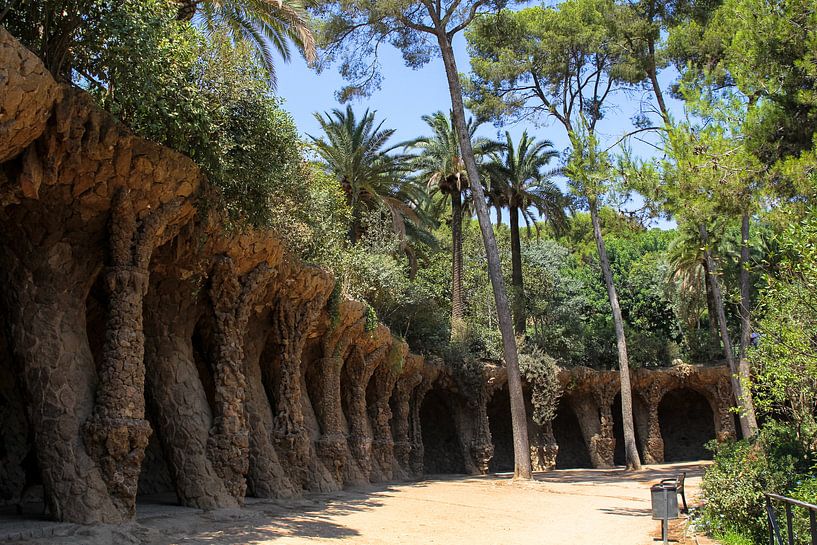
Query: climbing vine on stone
(541, 372)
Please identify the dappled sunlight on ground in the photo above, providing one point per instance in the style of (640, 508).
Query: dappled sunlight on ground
(573, 507)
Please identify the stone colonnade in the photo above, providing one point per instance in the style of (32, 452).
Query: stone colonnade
(141, 343)
(591, 396)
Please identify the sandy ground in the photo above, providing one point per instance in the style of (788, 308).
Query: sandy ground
(570, 507)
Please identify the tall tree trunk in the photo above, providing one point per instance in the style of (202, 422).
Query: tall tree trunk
(521, 449)
(186, 10)
(630, 448)
(519, 318)
(457, 298)
(745, 291)
(711, 309)
(652, 73)
(744, 369)
(739, 374)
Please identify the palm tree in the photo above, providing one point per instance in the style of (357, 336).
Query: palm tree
(691, 272)
(268, 25)
(440, 165)
(353, 151)
(520, 183)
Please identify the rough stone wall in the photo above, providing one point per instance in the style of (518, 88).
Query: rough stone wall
(255, 382)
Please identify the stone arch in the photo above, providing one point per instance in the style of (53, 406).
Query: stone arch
(573, 451)
(687, 424)
(442, 451)
(499, 421)
(619, 458)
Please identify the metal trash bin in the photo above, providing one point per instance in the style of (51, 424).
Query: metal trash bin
(664, 506)
(664, 501)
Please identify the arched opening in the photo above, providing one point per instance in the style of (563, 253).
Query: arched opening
(499, 420)
(203, 366)
(155, 478)
(20, 479)
(687, 424)
(442, 452)
(619, 457)
(311, 363)
(572, 448)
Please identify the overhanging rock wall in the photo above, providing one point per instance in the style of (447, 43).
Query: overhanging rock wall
(129, 324)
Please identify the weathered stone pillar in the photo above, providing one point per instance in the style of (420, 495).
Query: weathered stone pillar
(232, 299)
(183, 416)
(653, 444)
(359, 369)
(266, 477)
(429, 376)
(45, 289)
(605, 442)
(721, 394)
(332, 446)
(293, 317)
(380, 414)
(599, 445)
(117, 433)
(474, 429)
(401, 414)
(543, 446)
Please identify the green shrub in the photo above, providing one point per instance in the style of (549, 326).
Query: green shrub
(742, 471)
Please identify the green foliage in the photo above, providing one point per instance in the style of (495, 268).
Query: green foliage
(351, 33)
(541, 373)
(353, 151)
(785, 360)
(333, 305)
(371, 319)
(259, 25)
(395, 359)
(523, 60)
(742, 471)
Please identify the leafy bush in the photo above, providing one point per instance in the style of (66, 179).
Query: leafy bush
(742, 471)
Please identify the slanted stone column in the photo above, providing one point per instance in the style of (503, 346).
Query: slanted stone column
(605, 442)
(653, 446)
(359, 369)
(293, 317)
(232, 299)
(543, 446)
(587, 412)
(45, 285)
(332, 446)
(401, 414)
(384, 379)
(117, 433)
(429, 376)
(179, 403)
(721, 393)
(471, 416)
(27, 94)
(266, 477)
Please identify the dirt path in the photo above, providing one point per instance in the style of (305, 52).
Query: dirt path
(570, 507)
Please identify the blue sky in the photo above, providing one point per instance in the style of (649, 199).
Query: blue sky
(406, 95)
